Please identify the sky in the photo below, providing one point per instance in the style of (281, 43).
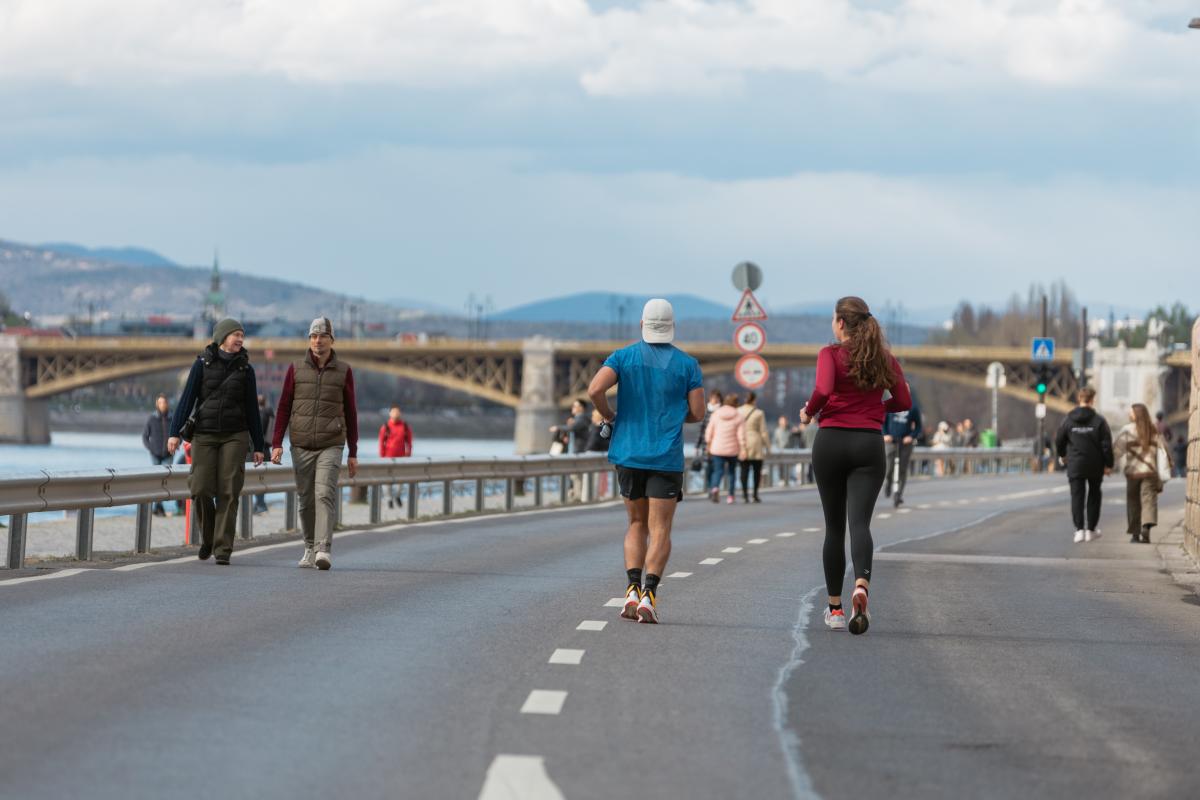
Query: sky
(910, 151)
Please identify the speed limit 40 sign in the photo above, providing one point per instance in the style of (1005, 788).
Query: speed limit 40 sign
(750, 337)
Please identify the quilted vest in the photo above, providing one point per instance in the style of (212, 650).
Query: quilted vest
(318, 413)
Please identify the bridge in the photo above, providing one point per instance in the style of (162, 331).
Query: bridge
(537, 377)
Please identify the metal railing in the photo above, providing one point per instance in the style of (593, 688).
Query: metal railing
(573, 478)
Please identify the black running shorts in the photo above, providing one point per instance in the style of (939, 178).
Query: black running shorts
(637, 484)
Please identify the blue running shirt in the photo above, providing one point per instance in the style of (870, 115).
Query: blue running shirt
(653, 381)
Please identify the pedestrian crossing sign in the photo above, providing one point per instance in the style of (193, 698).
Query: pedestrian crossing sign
(749, 309)
(1043, 348)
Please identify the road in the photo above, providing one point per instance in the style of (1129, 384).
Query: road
(1003, 661)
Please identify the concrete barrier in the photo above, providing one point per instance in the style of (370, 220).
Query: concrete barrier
(1191, 519)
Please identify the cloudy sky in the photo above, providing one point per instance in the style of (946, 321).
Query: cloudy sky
(918, 151)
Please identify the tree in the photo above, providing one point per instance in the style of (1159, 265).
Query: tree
(1019, 322)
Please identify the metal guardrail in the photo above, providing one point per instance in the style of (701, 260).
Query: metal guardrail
(87, 491)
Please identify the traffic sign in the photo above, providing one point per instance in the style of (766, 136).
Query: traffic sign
(996, 379)
(1039, 411)
(747, 275)
(1043, 348)
(751, 371)
(749, 309)
(750, 337)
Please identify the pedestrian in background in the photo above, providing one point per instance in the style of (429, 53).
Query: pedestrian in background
(942, 438)
(154, 438)
(222, 392)
(1163, 429)
(1181, 454)
(395, 441)
(596, 442)
(659, 389)
(318, 404)
(266, 414)
(900, 431)
(715, 400)
(726, 441)
(1136, 446)
(848, 456)
(573, 434)
(1084, 441)
(757, 446)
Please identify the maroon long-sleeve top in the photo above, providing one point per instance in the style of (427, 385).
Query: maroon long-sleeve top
(842, 404)
(283, 414)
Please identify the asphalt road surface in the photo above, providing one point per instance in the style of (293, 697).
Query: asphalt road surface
(479, 659)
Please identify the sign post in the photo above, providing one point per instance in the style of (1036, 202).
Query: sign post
(996, 380)
(751, 370)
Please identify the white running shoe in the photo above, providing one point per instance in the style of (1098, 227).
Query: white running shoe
(307, 560)
(633, 597)
(1091, 536)
(645, 609)
(835, 620)
(323, 561)
(860, 618)
(1079, 536)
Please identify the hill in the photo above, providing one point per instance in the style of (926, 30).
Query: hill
(609, 307)
(133, 256)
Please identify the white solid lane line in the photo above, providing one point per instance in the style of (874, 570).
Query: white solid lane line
(519, 778)
(592, 625)
(757, 541)
(680, 575)
(566, 656)
(732, 550)
(144, 564)
(544, 701)
(616, 602)
(708, 562)
(65, 573)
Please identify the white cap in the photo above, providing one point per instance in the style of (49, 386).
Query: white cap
(658, 322)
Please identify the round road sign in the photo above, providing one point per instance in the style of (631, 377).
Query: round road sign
(751, 371)
(750, 337)
(747, 275)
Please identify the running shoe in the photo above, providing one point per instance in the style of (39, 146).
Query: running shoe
(633, 596)
(729, 500)
(835, 620)
(645, 609)
(309, 559)
(860, 618)
(715, 495)
(323, 560)
(1091, 536)
(1079, 536)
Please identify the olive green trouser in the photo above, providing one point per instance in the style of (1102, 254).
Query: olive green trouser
(317, 493)
(1141, 501)
(218, 472)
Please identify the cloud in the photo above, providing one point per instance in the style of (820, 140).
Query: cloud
(655, 47)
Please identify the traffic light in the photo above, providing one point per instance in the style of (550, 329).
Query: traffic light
(1043, 380)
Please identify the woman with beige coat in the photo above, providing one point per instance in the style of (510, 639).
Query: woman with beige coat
(758, 444)
(1138, 444)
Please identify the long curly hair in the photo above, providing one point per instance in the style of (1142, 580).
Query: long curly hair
(870, 362)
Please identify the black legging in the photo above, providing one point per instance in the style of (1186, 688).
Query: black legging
(850, 467)
(751, 465)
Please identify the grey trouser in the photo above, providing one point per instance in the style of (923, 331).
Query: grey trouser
(1141, 501)
(317, 493)
(218, 472)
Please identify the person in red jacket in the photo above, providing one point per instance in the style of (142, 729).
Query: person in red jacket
(395, 441)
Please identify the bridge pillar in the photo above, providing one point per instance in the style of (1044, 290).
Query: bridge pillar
(537, 410)
(22, 420)
(1126, 375)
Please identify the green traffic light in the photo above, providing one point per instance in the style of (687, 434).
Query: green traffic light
(1041, 387)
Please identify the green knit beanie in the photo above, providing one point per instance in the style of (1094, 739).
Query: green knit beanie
(224, 328)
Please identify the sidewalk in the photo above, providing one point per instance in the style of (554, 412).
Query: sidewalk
(1176, 561)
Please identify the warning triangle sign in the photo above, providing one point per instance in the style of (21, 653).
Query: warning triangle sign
(749, 309)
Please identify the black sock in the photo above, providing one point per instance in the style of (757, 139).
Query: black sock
(835, 606)
(652, 583)
(635, 577)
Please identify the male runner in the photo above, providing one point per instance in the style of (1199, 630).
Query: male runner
(658, 389)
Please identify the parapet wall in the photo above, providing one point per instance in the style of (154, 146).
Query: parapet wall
(1192, 516)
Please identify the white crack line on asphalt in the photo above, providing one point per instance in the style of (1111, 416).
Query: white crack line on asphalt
(544, 701)
(709, 562)
(732, 550)
(564, 655)
(519, 778)
(592, 625)
(757, 541)
(789, 740)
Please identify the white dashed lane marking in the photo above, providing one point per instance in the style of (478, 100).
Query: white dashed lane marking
(592, 625)
(616, 602)
(708, 562)
(812, 530)
(884, 516)
(785, 535)
(924, 506)
(732, 550)
(757, 541)
(544, 701)
(680, 575)
(904, 511)
(519, 778)
(566, 656)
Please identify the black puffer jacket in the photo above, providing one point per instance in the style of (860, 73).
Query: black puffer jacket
(1085, 441)
(221, 406)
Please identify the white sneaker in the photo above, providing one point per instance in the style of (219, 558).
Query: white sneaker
(645, 610)
(306, 561)
(1091, 536)
(835, 620)
(1079, 536)
(323, 560)
(633, 598)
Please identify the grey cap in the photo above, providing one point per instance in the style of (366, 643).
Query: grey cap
(225, 327)
(321, 325)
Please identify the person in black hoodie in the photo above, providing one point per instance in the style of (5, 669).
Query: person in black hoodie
(1084, 441)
